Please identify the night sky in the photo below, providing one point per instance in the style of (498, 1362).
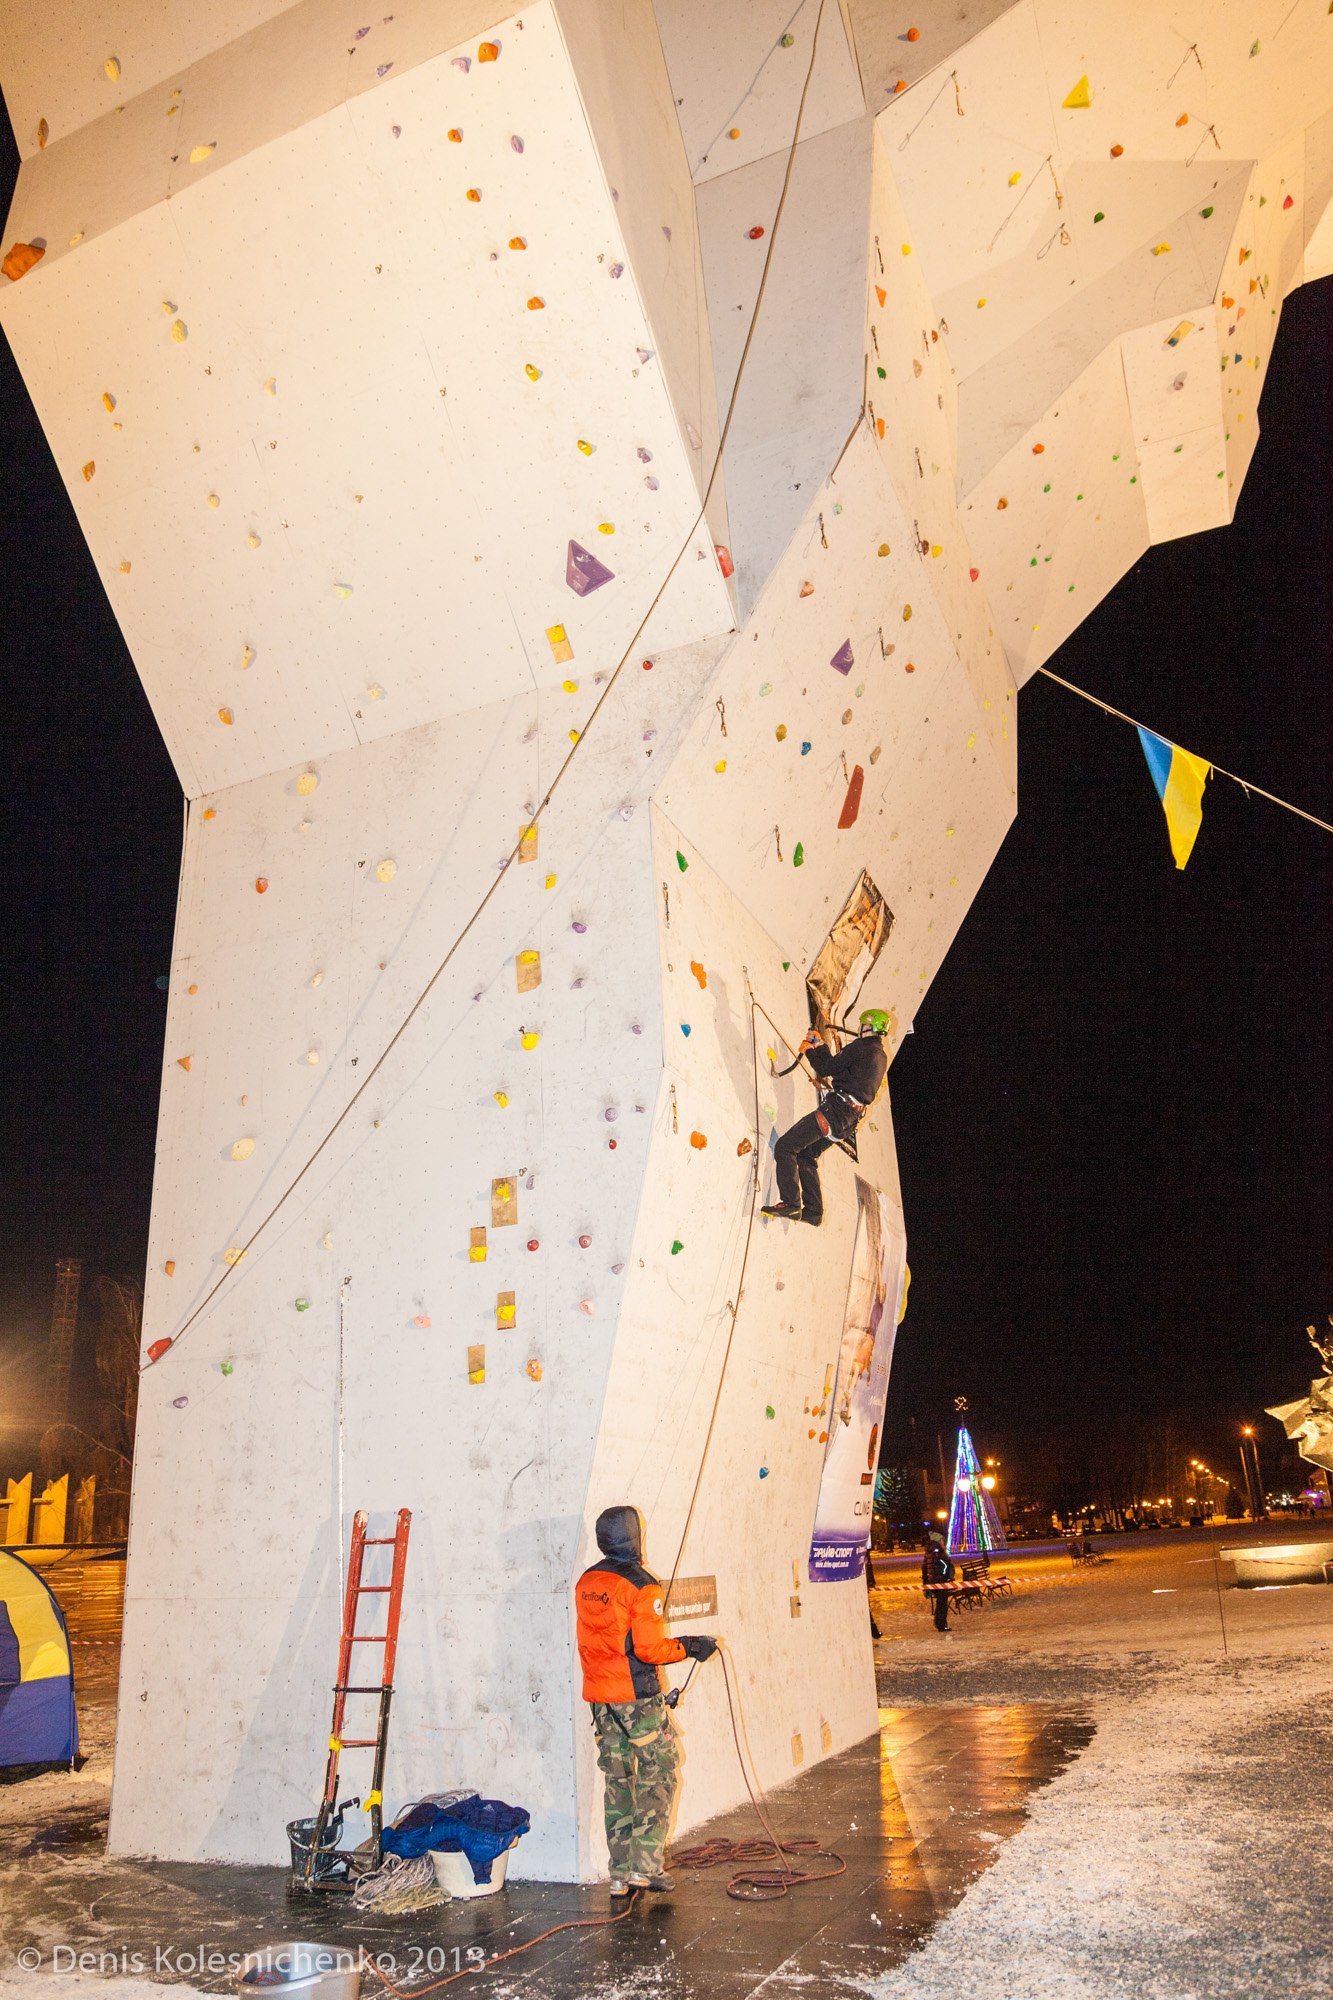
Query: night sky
(1113, 1117)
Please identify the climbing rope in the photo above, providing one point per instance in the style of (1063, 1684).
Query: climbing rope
(464, 1972)
(242, 1251)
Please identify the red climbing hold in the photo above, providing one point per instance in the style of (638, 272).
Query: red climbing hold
(974, 574)
(756, 232)
(852, 803)
(158, 1348)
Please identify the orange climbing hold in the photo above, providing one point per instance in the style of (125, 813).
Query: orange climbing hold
(881, 294)
(536, 305)
(900, 85)
(1037, 450)
(698, 972)
(20, 258)
(488, 52)
(455, 135)
(261, 885)
(183, 1062)
(914, 34)
(170, 1267)
(745, 1146)
(698, 1141)
(89, 469)
(1116, 151)
(518, 242)
(474, 194)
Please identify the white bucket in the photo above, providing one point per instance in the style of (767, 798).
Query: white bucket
(454, 1873)
(315, 1971)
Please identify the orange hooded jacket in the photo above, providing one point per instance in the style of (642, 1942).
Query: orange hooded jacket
(622, 1635)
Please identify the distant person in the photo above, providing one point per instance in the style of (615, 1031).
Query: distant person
(937, 1573)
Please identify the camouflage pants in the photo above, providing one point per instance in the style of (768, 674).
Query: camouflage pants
(639, 1755)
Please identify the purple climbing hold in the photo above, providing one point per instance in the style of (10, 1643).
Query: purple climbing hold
(462, 62)
(382, 69)
(616, 271)
(516, 142)
(610, 1114)
(360, 34)
(843, 659)
(583, 572)
(179, 1402)
(644, 453)
(578, 926)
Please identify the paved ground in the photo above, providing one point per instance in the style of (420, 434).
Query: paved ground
(1079, 1794)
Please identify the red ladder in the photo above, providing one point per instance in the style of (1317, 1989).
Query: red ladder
(344, 1686)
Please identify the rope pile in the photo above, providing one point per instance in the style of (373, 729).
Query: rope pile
(399, 1885)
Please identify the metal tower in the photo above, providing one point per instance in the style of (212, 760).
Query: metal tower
(64, 1319)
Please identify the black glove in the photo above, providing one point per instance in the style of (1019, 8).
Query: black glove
(699, 1647)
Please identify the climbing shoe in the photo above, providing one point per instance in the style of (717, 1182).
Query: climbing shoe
(663, 1885)
(781, 1213)
(804, 1215)
(619, 1886)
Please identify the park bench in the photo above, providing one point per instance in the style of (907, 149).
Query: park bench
(978, 1586)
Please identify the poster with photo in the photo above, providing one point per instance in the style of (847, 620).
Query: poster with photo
(855, 1413)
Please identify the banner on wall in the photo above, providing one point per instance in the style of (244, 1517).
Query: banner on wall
(876, 1294)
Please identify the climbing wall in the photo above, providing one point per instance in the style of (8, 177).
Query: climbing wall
(532, 749)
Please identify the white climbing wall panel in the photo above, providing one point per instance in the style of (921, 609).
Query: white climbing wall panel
(526, 745)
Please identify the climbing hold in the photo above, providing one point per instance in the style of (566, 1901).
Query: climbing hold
(533, 1371)
(681, 862)
(183, 1062)
(474, 194)
(735, 132)
(807, 589)
(536, 305)
(43, 134)
(685, 1029)
(1100, 216)
(769, 1412)
(907, 612)
(198, 153)
(1184, 118)
(724, 562)
(676, 1247)
(974, 574)
(515, 143)
(805, 749)
(477, 1246)
(307, 783)
(698, 972)
(1288, 202)
(1160, 249)
(843, 659)
(587, 1306)
(501, 1097)
(583, 572)
(763, 1472)
(89, 469)
(1079, 98)
(908, 667)
(1206, 212)
(179, 1402)
(261, 885)
(798, 856)
(585, 1242)
(745, 1146)
(720, 765)
(561, 650)
(787, 41)
(252, 539)
(579, 927)
(755, 233)
(852, 803)
(1116, 151)
(1037, 450)
(455, 135)
(20, 258)
(529, 1038)
(698, 1141)
(158, 1348)
(781, 732)
(533, 374)
(241, 1149)
(488, 52)
(303, 1305)
(111, 69)
(386, 870)
(422, 1319)
(584, 447)
(179, 331)
(610, 1114)
(476, 1364)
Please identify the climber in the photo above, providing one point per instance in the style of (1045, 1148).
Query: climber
(623, 1645)
(848, 1082)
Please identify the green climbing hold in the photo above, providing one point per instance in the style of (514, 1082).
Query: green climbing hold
(681, 862)
(786, 965)
(1205, 213)
(882, 374)
(798, 857)
(787, 42)
(677, 1247)
(1047, 487)
(227, 1367)
(303, 1305)
(1100, 216)
(769, 1412)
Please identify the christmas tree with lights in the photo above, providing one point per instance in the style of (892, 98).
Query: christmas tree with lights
(974, 1525)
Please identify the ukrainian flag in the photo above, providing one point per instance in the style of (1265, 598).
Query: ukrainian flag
(1180, 779)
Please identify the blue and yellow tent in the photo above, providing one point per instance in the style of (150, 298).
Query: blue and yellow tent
(38, 1724)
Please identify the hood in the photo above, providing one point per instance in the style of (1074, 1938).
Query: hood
(619, 1534)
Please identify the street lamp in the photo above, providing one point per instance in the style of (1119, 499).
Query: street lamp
(1255, 1490)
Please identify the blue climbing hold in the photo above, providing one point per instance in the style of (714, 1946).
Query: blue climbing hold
(805, 749)
(684, 1027)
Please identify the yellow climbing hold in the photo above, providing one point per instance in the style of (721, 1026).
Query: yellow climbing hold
(233, 1255)
(585, 447)
(111, 69)
(1160, 249)
(242, 1149)
(570, 687)
(108, 400)
(271, 386)
(307, 783)
(720, 765)
(198, 153)
(501, 1097)
(1079, 98)
(529, 1038)
(252, 540)
(179, 331)
(605, 528)
(225, 715)
(386, 870)
(907, 249)
(213, 500)
(533, 374)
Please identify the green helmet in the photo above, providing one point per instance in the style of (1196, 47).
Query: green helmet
(876, 1019)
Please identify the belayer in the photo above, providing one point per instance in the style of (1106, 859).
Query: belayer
(848, 1082)
(623, 1645)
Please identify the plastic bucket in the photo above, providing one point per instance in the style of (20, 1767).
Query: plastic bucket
(311, 1970)
(453, 1871)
